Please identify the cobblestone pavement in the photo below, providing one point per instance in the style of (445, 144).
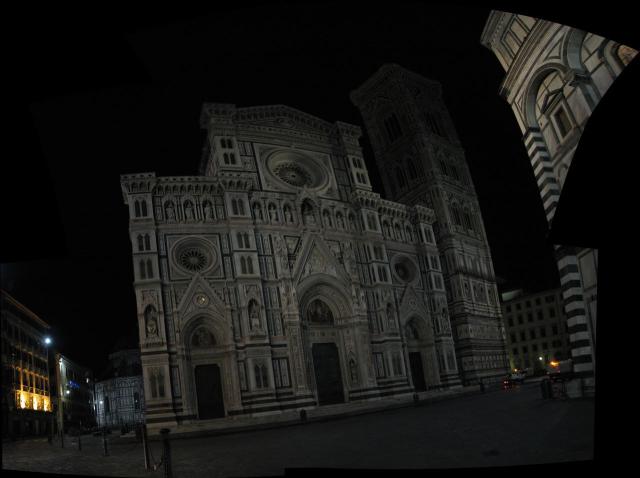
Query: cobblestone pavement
(500, 427)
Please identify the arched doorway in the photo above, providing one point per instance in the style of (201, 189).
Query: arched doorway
(324, 344)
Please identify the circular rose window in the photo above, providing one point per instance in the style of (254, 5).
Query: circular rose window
(405, 269)
(293, 174)
(296, 169)
(194, 255)
(193, 259)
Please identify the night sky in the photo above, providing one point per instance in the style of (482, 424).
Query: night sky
(105, 93)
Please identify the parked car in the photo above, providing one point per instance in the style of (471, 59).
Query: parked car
(518, 377)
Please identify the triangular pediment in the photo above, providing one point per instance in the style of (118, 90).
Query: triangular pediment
(200, 295)
(412, 304)
(281, 116)
(316, 258)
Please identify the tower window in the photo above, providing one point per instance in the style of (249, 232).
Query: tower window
(392, 125)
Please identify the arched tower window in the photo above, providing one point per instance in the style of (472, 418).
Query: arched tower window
(147, 242)
(141, 268)
(241, 207)
(234, 206)
(149, 269)
(140, 242)
(136, 206)
(243, 265)
(143, 205)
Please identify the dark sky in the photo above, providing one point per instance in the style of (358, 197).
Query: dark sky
(115, 92)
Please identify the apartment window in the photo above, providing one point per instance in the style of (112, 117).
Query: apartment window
(519, 306)
(528, 304)
(540, 315)
(552, 312)
(529, 317)
(515, 351)
(532, 334)
(508, 308)
(544, 346)
(543, 332)
(534, 348)
(513, 338)
(520, 321)
(554, 329)
(510, 321)
(538, 301)
(549, 299)
(523, 336)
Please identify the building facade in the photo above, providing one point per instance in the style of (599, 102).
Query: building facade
(536, 329)
(26, 390)
(555, 77)
(120, 398)
(421, 162)
(74, 388)
(277, 279)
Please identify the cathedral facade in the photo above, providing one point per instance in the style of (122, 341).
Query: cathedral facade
(276, 279)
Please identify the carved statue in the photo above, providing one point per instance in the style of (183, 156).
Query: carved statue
(287, 214)
(208, 211)
(152, 326)
(169, 211)
(253, 315)
(188, 211)
(257, 211)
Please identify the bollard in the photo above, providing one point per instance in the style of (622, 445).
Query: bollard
(416, 399)
(104, 442)
(145, 447)
(166, 453)
(303, 415)
(79, 443)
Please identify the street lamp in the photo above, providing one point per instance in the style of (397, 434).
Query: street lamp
(47, 342)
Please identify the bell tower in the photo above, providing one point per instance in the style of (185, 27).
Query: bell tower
(421, 161)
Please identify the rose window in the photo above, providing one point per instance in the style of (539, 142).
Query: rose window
(296, 169)
(293, 174)
(193, 259)
(194, 255)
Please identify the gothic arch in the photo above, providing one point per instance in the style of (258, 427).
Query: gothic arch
(328, 290)
(217, 326)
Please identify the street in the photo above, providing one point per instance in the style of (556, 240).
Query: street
(497, 428)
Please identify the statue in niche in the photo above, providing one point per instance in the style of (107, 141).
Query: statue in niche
(170, 211)
(208, 211)
(254, 318)
(353, 368)
(340, 221)
(287, 214)
(319, 312)
(257, 211)
(273, 214)
(151, 321)
(188, 211)
(307, 214)
(202, 338)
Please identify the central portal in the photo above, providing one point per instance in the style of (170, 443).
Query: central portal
(209, 392)
(417, 372)
(326, 364)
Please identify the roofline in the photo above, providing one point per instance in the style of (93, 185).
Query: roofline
(24, 309)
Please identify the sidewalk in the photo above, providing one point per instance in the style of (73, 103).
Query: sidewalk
(223, 426)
